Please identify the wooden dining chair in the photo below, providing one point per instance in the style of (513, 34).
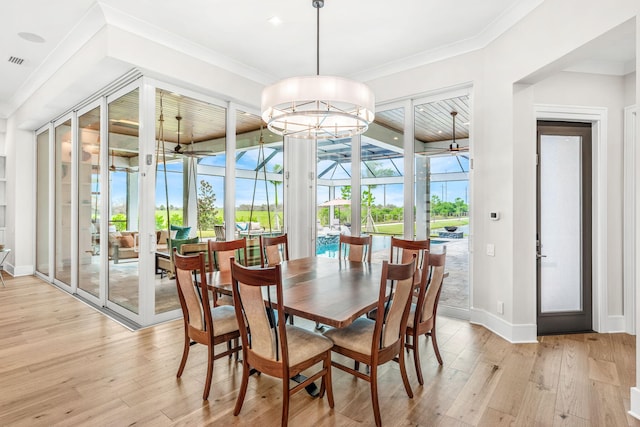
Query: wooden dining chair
(220, 252)
(422, 315)
(375, 342)
(275, 348)
(273, 250)
(203, 323)
(355, 248)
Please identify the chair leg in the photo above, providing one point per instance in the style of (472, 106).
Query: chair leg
(207, 384)
(285, 402)
(403, 371)
(229, 349)
(374, 396)
(243, 386)
(435, 344)
(326, 383)
(185, 353)
(415, 340)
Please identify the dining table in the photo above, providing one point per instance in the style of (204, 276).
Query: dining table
(330, 291)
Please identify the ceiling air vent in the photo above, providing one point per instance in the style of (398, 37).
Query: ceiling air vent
(16, 60)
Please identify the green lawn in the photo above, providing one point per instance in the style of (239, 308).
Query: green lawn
(397, 227)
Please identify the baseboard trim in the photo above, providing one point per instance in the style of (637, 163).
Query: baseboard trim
(455, 312)
(634, 409)
(616, 324)
(21, 270)
(515, 334)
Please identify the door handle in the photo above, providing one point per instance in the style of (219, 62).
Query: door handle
(540, 256)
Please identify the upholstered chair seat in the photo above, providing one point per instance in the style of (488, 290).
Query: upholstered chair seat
(304, 344)
(224, 317)
(356, 337)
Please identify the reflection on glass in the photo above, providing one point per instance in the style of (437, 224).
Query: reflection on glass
(381, 171)
(63, 202)
(123, 201)
(189, 183)
(42, 203)
(441, 190)
(89, 202)
(259, 179)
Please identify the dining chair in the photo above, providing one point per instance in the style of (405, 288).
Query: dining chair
(203, 323)
(355, 248)
(273, 250)
(220, 252)
(375, 342)
(422, 315)
(272, 347)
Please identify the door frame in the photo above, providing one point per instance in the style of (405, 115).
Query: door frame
(569, 320)
(597, 116)
(629, 215)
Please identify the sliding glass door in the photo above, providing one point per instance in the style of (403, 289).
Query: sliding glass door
(123, 149)
(63, 193)
(89, 192)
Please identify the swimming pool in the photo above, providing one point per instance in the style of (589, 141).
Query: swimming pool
(328, 245)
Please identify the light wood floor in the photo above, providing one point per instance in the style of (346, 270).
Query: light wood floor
(62, 363)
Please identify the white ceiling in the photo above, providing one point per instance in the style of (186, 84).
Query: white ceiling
(360, 39)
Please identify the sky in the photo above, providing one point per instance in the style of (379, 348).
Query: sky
(392, 194)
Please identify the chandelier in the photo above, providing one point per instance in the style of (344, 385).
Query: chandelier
(311, 107)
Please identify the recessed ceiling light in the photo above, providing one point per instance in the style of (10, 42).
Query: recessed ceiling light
(439, 131)
(395, 138)
(274, 20)
(31, 37)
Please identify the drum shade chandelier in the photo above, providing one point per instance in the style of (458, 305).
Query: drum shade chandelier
(311, 107)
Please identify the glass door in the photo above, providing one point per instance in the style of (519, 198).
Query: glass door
(123, 247)
(564, 255)
(42, 203)
(62, 203)
(89, 192)
(442, 163)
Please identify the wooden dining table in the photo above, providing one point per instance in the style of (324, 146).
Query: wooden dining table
(325, 290)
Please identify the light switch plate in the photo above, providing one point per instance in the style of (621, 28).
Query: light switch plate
(491, 250)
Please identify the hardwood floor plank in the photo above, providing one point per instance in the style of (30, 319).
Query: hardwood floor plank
(573, 384)
(605, 404)
(512, 385)
(473, 398)
(538, 406)
(548, 361)
(495, 418)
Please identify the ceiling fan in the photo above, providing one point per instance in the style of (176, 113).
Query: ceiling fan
(454, 147)
(188, 150)
(114, 168)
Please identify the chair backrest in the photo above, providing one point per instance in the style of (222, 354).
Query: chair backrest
(403, 251)
(274, 250)
(430, 295)
(221, 233)
(268, 341)
(220, 252)
(193, 297)
(355, 248)
(393, 312)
